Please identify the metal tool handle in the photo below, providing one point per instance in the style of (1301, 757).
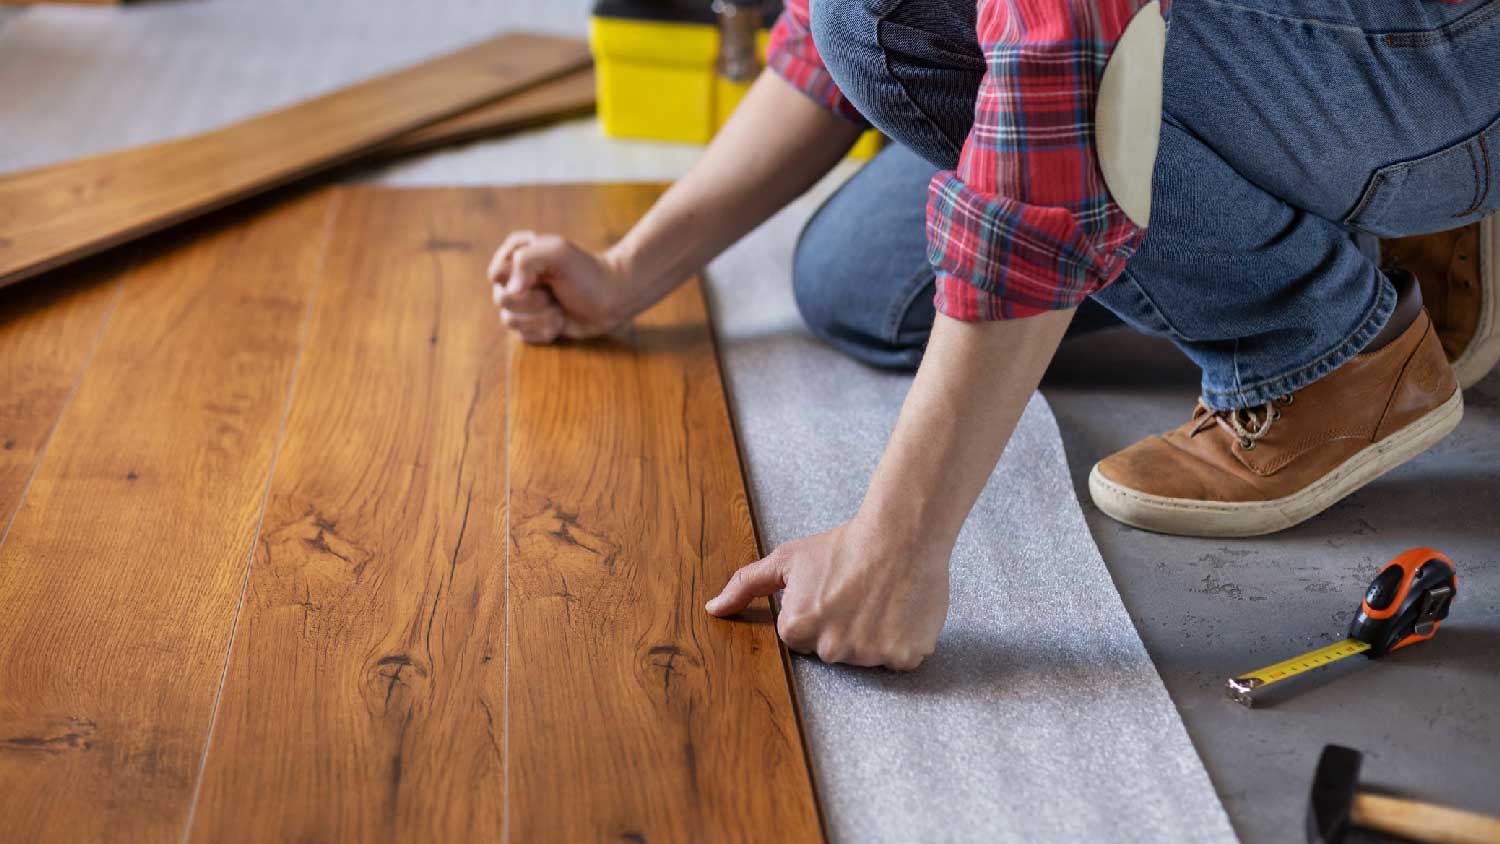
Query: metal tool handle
(738, 24)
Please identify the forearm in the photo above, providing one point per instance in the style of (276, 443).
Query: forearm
(969, 393)
(776, 145)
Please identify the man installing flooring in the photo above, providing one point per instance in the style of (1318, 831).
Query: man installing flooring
(1032, 149)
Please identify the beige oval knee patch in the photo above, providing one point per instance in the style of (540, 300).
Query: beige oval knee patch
(1127, 115)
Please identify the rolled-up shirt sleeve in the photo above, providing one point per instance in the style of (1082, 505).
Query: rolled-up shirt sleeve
(1025, 224)
(793, 56)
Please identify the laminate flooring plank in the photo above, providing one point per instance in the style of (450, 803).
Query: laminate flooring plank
(54, 214)
(363, 700)
(632, 714)
(48, 332)
(560, 99)
(125, 565)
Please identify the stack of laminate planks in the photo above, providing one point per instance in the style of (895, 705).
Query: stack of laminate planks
(60, 213)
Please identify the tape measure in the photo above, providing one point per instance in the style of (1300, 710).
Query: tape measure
(1404, 605)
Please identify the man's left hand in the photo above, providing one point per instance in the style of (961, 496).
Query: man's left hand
(853, 594)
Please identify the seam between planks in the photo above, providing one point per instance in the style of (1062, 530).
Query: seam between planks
(705, 290)
(331, 215)
(505, 592)
(88, 360)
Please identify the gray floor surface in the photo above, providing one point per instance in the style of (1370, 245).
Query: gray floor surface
(1427, 717)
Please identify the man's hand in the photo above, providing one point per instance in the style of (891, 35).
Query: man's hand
(776, 145)
(548, 288)
(875, 591)
(853, 595)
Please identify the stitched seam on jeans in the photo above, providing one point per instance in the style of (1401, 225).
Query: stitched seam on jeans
(1448, 32)
(1474, 166)
(1373, 192)
(1239, 380)
(902, 306)
(1323, 358)
(1348, 27)
(1481, 181)
(1352, 219)
(955, 149)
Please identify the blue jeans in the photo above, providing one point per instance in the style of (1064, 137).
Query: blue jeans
(1294, 131)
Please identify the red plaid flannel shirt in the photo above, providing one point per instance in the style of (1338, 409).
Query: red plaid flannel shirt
(1025, 224)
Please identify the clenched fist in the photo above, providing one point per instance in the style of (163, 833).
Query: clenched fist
(548, 288)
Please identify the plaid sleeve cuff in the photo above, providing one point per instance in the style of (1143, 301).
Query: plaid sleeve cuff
(793, 57)
(997, 258)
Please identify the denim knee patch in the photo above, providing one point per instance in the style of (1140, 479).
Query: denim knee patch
(1445, 190)
(912, 69)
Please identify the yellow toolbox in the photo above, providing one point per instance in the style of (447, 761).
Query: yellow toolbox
(664, 72)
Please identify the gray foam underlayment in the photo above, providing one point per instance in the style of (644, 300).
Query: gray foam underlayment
(1040, 716)
(75, 81)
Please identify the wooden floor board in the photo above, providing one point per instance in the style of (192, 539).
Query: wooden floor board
(559, 99)
(476, 570)
(632, 714)
(48, 333)
(52, 215)
(124, 567)
(365, 691)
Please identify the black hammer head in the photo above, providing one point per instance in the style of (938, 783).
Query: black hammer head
(1332, 795)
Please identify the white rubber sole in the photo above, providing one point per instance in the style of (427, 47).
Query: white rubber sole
(1484, 350)
(1186, 517)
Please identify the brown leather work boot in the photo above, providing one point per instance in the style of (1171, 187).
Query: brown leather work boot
(1459, 272)
(1255, 471)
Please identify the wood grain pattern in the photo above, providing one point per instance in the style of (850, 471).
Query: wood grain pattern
(633, 715)
(121, 575)
(365, 691)
(560, 99)
(320, 393)
(55, 214)
(47, 334)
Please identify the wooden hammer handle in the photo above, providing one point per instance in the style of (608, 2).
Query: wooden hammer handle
(1423, 822)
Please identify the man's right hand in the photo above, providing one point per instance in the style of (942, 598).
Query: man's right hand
(548, 288)
(775, 146)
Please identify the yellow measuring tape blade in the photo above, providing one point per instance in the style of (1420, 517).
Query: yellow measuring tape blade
(1298, 664)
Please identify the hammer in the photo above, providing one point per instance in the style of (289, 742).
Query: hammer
(1337, 804)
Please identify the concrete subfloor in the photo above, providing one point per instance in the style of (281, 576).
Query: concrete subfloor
(1427, 717)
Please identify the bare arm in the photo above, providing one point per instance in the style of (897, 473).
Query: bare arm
(874, 591)
(776, 145)
(968, 396)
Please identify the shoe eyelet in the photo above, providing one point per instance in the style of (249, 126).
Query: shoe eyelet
(1275, 414)
(1247, 445)
(1287, 400)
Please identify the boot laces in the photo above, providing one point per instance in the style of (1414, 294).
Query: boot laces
(1247, 424)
